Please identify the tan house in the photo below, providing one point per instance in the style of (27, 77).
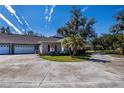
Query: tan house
(25, 44)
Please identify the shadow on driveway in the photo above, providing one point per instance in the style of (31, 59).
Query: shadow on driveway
(98, 60)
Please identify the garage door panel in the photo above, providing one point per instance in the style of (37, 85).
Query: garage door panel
(4, 49)
(24, 49)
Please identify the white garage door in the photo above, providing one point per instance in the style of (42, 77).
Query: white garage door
(24, 49)
(4, 49)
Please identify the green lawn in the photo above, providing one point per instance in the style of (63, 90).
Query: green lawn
(93, 51)
(117, 55)
(80, 58)
(112, 53)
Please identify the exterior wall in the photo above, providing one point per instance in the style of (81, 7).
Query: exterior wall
(41, 48)
(44, 47)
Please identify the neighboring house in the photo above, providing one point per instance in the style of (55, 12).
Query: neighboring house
(25, 44)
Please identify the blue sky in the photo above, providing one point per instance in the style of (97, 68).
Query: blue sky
(46, 20)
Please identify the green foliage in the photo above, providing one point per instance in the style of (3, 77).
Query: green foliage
(106, 40)
(30, 33)
(115, 39)
(118, 28)
(77, 31)
(73, 43)
(111, 42)
(118, 32)
(5, 30)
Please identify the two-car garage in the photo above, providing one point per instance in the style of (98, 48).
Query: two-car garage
(17, 49)
(18, 44)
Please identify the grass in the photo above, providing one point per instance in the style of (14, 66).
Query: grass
(101, 51)
(97, 51)
(80, 58)
(117, 55)
(110, 52)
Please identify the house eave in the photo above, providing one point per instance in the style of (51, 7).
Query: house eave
(48, 42)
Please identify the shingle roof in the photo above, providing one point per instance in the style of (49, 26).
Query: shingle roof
(23, 39)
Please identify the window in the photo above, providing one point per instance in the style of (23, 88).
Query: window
(48, 48)
(52, 48)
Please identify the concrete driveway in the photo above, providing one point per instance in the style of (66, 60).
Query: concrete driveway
(32, 71)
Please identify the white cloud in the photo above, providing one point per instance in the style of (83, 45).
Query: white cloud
(84, 9)
(27, 24)
(23, 29)
(10, 24)
(13, 12)
(46, 17)
(49, 12)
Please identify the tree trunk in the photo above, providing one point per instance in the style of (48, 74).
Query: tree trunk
(69, 50)
(74, 52)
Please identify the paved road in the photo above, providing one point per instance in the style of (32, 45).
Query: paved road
(32, 71)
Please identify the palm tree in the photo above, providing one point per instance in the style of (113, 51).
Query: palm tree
(73, 44)
(78, 29)
(119, 26)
